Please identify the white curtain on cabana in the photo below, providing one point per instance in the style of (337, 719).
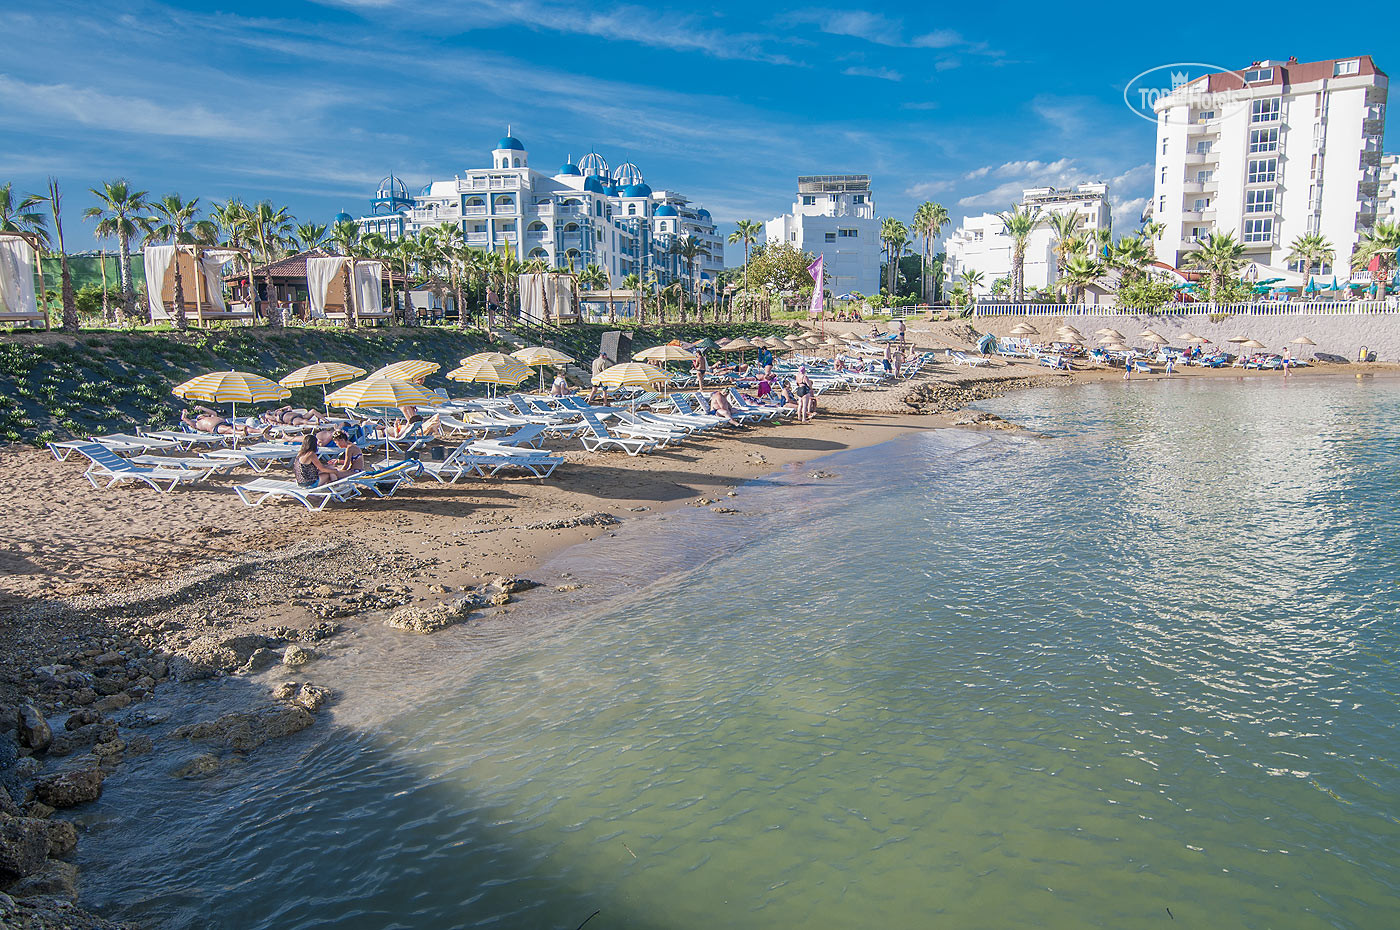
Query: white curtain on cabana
(369, 295)
(320, 272)
(17, 277)
(325, 284)
(559, 291)
(158, 260)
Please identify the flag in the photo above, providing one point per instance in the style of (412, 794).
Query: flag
(818, 293)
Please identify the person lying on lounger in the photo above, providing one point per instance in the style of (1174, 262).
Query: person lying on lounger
(293, 416)
(211, 421)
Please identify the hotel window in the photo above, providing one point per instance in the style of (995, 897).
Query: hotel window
(1162, 205)
(1263, 171)
(1259, 201)
(808, 200)
(1265, 111)
(1206, 116)
(1204, 148)
(1201, 205)
(848, 233)
(831, 237)
(1342, 68)
(1164, 175)
(1164, 146)
(1256, 75)
(1205, 177)
(1259, 230)
(858, 198)
(1263, 140)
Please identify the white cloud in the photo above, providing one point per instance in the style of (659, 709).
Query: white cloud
(884, 74)
(95, 109)
(879, 29)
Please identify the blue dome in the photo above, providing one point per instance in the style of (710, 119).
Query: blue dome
(636, 190)
(592, 183)
(570, 169)
(343, 217)
(703, 212)
(427, 189)
(665, 210)
(510, 142)
(613, 190)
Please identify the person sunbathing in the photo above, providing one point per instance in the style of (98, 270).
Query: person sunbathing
(213, 422)
(293, 416)
(720, 407)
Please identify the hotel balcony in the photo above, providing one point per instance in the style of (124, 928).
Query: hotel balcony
(1202, 130)
(478, 210)
(1201, 158)
(477, 238)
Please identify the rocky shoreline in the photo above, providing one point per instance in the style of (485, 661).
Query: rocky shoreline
(69, 723)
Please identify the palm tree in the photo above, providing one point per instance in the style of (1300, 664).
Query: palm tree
(450, 245)
(55, 201)
(345, 235)
(1151, 232)
(269, 228)
(176, 220)
(929, 220)
(747, 232)
(309, 236)
(1065, 226)
(120, 212)
(593, 277)
(895, 236)
(1080, 272)
(1131, 256)
(405, 250)
(633, 282)
(1380, 243)
(1312, 249)
(231, 217)
(1019, 222)
(690, 250)
(1220, 256)
(18, 216)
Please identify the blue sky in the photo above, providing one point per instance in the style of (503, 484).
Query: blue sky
(309, 104)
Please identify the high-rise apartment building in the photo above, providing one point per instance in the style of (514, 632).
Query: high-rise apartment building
(1270, 153)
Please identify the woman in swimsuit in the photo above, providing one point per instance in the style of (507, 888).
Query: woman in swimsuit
(805, 395)
(352, 459)
(308, 469)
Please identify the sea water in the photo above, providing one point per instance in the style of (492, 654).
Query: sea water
(1137, 669)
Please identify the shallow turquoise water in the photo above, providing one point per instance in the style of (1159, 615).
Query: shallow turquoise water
(1143, 665)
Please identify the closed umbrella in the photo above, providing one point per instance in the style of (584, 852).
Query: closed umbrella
(320, 374)
(382, 392)
(231, 387)
(413, 369)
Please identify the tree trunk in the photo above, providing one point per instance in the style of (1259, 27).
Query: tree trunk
(274, 312)
(106, 300)
(70, 306)
(128, 292)
(181, 322)
(351, 316)
(410, 316)
(460, 298)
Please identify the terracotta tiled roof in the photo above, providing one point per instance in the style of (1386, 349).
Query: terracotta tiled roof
(1293, 72)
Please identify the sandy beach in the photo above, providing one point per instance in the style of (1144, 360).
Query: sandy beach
(107, 595)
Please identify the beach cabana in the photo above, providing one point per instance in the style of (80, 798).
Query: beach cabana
(19, 262)
(201, 274)
(326, 280)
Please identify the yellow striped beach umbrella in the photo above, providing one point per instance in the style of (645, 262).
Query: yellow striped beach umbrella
(232, 387)
(496, 358)
(508, 371)
(320, 374)
(630, 374)
(666, 353)
(413, 369)
(539, 357)
(382, 392)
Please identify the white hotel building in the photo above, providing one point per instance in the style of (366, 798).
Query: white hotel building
(981, 243)
(834, 216)
(583, 214)
(1270, 153)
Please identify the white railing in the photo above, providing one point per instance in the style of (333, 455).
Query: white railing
(1258, 308)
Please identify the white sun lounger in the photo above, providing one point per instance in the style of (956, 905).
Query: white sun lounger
(261, 490)
(962, 358)
(115, 469)
(186, 439)
(597, 437)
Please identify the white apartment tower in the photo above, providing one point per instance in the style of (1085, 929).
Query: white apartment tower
(1388, 205)
(834, 216)
(1272, 152)
(980, 243)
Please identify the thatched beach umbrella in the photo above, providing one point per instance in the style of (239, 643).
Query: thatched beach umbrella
(1303, 341)
(1024, 329)
(1252, 344)
(1155, 338)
